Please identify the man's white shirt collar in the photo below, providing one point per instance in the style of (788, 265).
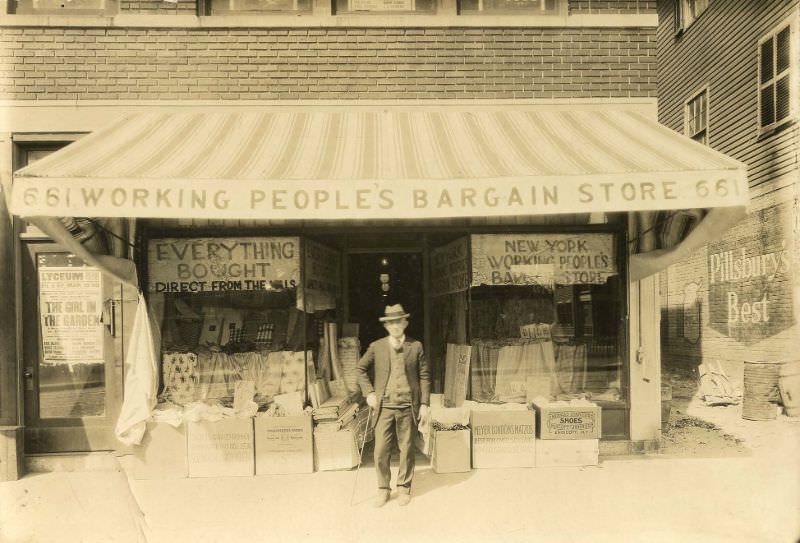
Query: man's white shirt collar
(397, 343)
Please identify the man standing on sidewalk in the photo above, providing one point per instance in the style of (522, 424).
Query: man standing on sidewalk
(399, 399)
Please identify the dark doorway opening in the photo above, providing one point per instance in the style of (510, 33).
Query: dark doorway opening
(377, 279)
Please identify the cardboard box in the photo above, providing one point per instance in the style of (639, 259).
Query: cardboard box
(450, 415)
(162, 453)
(221, 449)
(437, 400)
(567, 421)
(451, 451)
(284, 445)
(503, 439)
(567, 452)
(334, 450)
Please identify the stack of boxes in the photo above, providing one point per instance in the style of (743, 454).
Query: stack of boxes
(568, 433)
(503, 436)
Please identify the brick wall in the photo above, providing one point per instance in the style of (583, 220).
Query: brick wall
(764, 232)
(188, 7)
(235, 64)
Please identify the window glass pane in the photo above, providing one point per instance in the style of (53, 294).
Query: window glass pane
(550, 328)
(701, 137)
(782, 106)
(383, 6)
(782, 50)
(766, 61)
(68, 4)
(767, 106)
(226, 6)
(531, 7)
(72, 367)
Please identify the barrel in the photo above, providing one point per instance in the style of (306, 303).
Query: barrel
(789, 385)
(760, 390)
(666, 405)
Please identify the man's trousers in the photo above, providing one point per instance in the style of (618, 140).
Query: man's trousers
(399, 423)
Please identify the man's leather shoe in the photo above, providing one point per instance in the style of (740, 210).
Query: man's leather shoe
(403, 498)
(381, 498)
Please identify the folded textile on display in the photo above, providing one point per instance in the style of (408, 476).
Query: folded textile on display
(348, 349)
(206, 412)
(180, 378)
(293, 373)
(518, 369)
(265, 370)
(243, 396)
(218, 373)
(484, 370)
(571, 364)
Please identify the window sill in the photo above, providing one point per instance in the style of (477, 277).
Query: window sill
(331, 21)
(773, 129)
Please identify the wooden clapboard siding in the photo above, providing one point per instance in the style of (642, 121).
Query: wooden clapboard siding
(720, 50)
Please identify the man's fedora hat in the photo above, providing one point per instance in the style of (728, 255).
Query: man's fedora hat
(394, 312)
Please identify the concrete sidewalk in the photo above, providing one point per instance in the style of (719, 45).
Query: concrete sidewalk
(750, 497)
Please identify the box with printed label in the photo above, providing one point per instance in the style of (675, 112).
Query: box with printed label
(335, 449)
(560, 420)
(503, 439)
(162, 453)
(284, 445)
(450, 451)
(221, 449)
(567, 452)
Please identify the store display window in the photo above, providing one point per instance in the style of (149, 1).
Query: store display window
(238, 309)
(543, 315)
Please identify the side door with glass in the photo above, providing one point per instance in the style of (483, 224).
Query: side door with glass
(71, 351)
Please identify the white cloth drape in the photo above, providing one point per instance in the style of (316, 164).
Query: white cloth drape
(141, 377)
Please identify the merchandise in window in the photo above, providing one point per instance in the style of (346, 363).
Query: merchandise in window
(540, 317)
(775, 75)
(231, 311)
(527, 7)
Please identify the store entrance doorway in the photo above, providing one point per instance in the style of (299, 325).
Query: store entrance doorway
(72, 352)
(380, 278)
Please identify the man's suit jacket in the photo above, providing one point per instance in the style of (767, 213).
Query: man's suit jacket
(379, 355)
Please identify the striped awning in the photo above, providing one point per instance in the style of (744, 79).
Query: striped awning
(378, 163)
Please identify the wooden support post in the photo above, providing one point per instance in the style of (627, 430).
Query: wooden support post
(10, 430)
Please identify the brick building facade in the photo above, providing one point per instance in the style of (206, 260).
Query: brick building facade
(66, 73)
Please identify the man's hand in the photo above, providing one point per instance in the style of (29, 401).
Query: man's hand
(424, 413)
(372, 400)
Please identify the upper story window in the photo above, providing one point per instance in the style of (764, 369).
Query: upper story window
(61, 7)
(526, 7)
(777, 76)
(222, 7)
(686, 11)
(696, 117)
(385, 6)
